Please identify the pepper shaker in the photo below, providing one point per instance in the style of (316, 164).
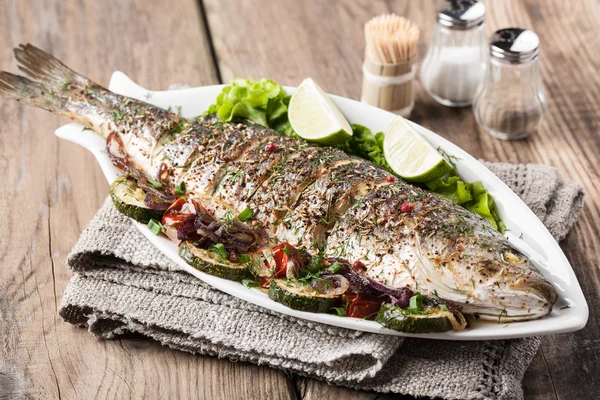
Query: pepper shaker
(455, 62)
(510, 103)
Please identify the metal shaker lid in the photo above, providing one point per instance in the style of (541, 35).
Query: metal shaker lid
(461, 14)
(514, 45)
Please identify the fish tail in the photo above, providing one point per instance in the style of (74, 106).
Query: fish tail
(50, 84)
(44, 68)
(25, 90)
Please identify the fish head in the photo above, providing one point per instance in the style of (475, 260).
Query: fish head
(488, 277)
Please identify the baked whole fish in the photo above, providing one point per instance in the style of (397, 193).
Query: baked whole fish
(317, 200)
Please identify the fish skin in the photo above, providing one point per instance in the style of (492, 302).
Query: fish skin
(314, 197)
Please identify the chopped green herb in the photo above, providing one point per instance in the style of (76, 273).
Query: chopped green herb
(117, 115)
(149, 95)
(219, 249)
(316, 265)
(180, 189)
(85, 128)
(65, 85)
(335, 267)
(521, 235)
(154, 184)
(415, 302)
(443, 307)
(309, 276)
(451, 159)
(287, 251)
(178, 110)
(341, 312)
(249, 283)
(228, 216)
(87, 90)
(243, 259)
(567, 306)
(155, 226)
(245, 215)
(504, 312)
(372, 315)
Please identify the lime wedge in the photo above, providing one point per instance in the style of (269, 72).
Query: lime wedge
(410, 155)
(315, 117)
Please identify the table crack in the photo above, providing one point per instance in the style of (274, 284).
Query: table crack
(209, 38)
(549, 374)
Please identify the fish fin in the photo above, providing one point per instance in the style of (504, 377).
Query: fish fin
(50, 85)
(25, 90)
(46, 69)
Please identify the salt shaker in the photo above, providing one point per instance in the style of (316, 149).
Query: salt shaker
(455, 61)
(510, 103)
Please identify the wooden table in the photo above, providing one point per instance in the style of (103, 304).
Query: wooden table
(51, 188)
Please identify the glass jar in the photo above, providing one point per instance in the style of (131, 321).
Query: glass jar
(455, 61)
(511, 102)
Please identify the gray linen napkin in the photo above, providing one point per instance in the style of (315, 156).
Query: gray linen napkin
(123, 284)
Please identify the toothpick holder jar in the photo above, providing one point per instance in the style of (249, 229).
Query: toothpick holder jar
(389, 86)
(389, 66)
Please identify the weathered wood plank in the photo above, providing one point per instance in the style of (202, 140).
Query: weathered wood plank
(288, 41)
(47, 200)
(312, 389)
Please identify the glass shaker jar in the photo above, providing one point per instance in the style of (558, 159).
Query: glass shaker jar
(455, 61)
(510, 103)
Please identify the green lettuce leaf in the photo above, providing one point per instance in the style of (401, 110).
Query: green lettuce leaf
(264, 102)
(365, 144)
(472, 196)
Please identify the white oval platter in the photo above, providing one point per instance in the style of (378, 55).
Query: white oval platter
(526, 231)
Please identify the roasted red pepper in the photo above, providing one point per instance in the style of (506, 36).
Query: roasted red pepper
(265, 281)
(282, 255)
(362, 305)
(181, 211)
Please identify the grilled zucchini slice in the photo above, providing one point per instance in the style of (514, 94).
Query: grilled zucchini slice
(301, 296)
(427, 320)
(129, 200)
(210, 263)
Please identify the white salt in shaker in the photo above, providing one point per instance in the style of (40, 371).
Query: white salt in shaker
(455, 62)
(511, 101)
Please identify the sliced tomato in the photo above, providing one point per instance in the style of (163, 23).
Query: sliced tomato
(282, 257)
(362, 305)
